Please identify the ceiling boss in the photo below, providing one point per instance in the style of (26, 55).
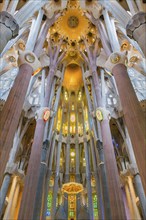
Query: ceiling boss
(72, 26)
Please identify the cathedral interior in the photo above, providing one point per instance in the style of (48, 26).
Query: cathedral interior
(72, 109)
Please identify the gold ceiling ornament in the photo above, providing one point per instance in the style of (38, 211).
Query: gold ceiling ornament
(72, 188)
(72, 25)
(72, 57)
(125, 45)
(115, 58)
(73, 4)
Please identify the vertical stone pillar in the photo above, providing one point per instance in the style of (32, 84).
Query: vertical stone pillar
(134, 169)
(77, 160)
(56, 178)
(55, 188)
(40, 185)
(31, 181)
(97, 181)
(50, 158)
(134, 117)
(44, 162)
(114, 188)
(99, 147)
(47, 179)
(67, 163)
(7, 177)
(3, 191)
(88, 179)
(115, 193)
(103, 179)
(77, 156)
(11, 112)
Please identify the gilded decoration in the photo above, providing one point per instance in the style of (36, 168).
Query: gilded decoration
(73, 26)
(72, 188)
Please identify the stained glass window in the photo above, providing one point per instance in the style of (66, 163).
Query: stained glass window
(95, 206)
(49, 202)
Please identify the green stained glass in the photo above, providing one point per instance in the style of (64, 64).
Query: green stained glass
(71, 214)
(49, 202)
(95, 205)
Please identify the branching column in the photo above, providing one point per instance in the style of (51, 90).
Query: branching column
(44, 160)
(11, 112)
(47, 178)
(10, 115)
(115, 193)
(99, 147)
(133, 114)
(134, 117)
(32, 177)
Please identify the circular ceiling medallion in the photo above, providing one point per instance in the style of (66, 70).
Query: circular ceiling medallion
(73, 22)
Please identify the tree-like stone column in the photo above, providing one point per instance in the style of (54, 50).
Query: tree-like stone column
(106, 213)
(115, 193)
(12, 110)
(134, 117)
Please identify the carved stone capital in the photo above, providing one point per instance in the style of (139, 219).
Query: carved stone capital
(43, 113)
(30, 58)
(8, 28)
(115, 59)
(102, 114)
